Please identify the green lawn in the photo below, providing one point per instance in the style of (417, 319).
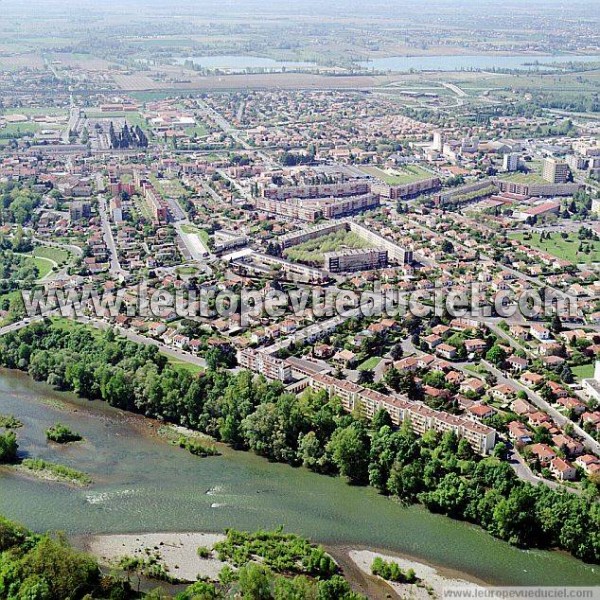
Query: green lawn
(525, 178)
(25, 128)
(566, 249)
(58, 255)
(50, 110)
(187, 270)
(184, 365)
(201, 233)
(311, 252)
(199, 130)
(370, 363)
(44, 266)
(583, 371)
(398, 175)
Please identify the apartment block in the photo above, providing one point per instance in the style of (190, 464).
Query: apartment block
(355, 260)
(510, 161)
(555, 171)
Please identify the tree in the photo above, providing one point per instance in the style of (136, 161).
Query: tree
(201, 590)
(566, 374)
(336, 588)
(447, 247)
(381, 418)
(66, 571)
(406, 481)
(393, 379)
(500, 450)
(349, 449)
(396, 352)
(255, 582)
(8, 447)
(556, 325)
(366, 376)
(496, 355)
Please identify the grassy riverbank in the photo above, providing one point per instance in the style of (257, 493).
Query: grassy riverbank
(52, 472)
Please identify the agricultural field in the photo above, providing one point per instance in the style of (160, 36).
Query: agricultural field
(312, 252)
(398, 175)
(570, 248)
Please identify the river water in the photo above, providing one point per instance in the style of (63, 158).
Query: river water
(143, 484)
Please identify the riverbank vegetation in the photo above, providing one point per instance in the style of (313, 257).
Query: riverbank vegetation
(34, 566)
(46, 567)
(391, 571)
(439, 471)
(61, 434)
(282, 552)
(10, 422)
(196, 447)
(8, 447)
(54, 472)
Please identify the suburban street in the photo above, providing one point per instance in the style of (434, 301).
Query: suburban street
(115, 265)
(538, 401)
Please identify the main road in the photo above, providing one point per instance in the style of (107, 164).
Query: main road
(115, 265)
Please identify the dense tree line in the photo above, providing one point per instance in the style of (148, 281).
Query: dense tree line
(43, 567)
(16, 271)
(18, 203)
(128, 137)
(245, 411)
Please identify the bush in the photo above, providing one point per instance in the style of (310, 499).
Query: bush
(61, 434)
(11, 534)
(196, 447)
(391, 571)
(10, 422)
(8, 447)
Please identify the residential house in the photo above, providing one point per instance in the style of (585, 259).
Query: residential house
(540, 332)
(516, 363)
(543, 453)
(472, 385)
(589, 463)
(562, 470)
(481, 411)
(519, 433)
(446, 350)
(532, 379)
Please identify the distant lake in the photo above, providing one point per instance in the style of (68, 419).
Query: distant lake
(457, 63)
(241, 63)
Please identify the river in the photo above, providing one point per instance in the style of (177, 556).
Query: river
(143, 484)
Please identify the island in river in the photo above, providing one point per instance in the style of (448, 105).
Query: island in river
(143, 484)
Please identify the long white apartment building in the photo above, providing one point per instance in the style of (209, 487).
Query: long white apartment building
(356, 397)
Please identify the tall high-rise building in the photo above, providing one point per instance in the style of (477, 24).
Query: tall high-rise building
(510, 162)
(438, 141)
(555, 171)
